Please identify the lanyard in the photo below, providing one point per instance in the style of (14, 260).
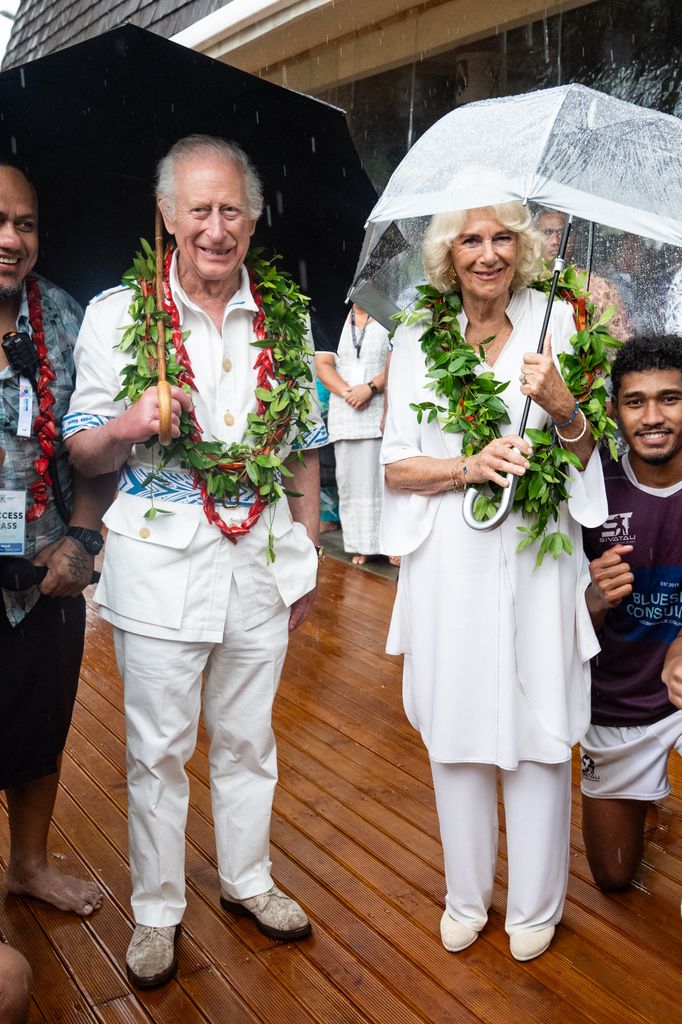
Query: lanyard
(355, 335)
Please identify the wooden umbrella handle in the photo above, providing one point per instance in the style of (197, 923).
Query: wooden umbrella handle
(163, 387)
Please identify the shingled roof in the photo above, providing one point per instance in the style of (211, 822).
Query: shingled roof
(43, 26)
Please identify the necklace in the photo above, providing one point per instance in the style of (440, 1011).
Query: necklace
(474, 408)
(283, 387)
(45, 424)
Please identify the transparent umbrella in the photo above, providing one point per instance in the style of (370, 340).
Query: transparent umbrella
(571, 149)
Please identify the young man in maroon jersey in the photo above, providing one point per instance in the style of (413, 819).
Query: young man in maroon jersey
(635, 600)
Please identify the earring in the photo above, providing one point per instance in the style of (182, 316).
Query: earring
(453, 280)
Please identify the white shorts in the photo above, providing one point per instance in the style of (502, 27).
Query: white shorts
(629, 763)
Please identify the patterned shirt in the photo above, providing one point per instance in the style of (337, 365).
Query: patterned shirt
(61, 322)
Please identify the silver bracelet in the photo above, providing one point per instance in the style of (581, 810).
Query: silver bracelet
(573, 440)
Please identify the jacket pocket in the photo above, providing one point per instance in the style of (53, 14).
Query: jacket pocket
(146, 563)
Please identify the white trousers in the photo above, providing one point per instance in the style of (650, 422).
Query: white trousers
(537, 804)
(162, 680)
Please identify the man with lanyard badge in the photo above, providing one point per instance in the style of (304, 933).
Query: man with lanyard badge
(49, 533)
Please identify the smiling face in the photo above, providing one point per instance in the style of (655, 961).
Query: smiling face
(484, 257)
(649, 413)
(18, 231)
(211, 224)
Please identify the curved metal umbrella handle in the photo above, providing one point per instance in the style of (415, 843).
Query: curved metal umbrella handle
(505, 507)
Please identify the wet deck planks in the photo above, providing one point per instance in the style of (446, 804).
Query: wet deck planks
(355, 838)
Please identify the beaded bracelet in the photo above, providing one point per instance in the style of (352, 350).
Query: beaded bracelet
(579, 437)
(570, 419)
(459, 488)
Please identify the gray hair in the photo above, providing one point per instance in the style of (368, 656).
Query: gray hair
(208, 145)
(445, 227)
(546, 211)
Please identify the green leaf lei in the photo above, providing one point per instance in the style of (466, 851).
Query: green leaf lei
(475, 409)
(283, 392)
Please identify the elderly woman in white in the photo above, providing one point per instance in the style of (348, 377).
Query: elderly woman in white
(496, 672)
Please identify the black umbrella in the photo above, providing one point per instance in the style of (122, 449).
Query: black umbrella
(91, 122)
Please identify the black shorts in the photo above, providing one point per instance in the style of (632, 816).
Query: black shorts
(40, 661)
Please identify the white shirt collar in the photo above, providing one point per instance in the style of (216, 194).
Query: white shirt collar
(242, 298)
(658, 492)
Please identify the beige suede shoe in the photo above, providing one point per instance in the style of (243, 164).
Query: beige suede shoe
(454, 935)
(276, 915)
(528, 945)
(150, 960)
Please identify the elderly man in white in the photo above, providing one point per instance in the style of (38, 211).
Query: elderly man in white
(184, 598)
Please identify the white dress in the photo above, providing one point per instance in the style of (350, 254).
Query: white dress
(496, 653)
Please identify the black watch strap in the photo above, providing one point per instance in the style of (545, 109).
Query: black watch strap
(92, 540)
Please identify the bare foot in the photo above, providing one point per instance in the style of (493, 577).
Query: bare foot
(358, 559)
(78, 895)
(326, 527)
(393, 560)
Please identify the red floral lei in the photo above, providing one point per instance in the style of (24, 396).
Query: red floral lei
(45, 424)
(266, 370)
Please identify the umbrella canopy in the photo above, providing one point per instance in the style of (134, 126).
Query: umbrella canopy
(91, 122)
(571, 148)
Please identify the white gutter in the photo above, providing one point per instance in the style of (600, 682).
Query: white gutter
(238, 15)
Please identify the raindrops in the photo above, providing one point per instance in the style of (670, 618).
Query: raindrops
(303, 275)
(279, 199)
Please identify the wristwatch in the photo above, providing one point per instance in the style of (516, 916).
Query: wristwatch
(320, 554)
(92, 540)
(372, 386)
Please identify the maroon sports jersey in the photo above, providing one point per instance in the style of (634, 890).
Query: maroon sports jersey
(626, 675)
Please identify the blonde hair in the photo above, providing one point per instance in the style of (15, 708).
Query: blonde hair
(445, 227)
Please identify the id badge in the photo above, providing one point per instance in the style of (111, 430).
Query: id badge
(25, 420)
(12, 522)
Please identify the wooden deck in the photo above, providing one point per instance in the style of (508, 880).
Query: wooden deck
(355, 838)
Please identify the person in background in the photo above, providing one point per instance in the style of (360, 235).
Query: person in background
(550, 224)
(355, 378)
(329, 494)
(635, 601)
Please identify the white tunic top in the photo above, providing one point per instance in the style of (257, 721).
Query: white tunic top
(496, 652)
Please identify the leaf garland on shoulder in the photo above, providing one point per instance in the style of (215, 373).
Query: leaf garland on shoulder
(475, 409)
(283, 391)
